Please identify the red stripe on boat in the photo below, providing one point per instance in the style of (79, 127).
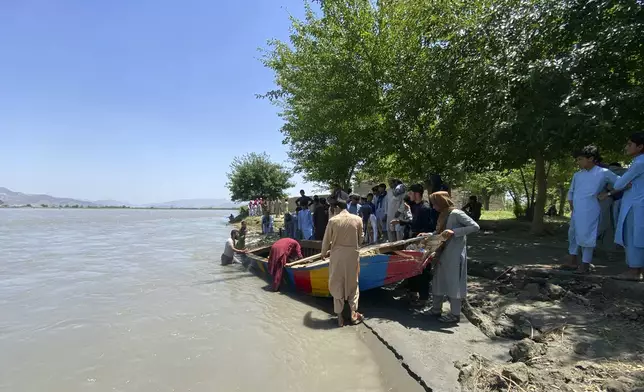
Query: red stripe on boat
(302, 281)
(403, 267)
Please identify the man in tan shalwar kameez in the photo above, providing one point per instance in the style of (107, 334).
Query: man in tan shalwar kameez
(343, 237)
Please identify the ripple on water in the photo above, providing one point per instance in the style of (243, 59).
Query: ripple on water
(134, 300)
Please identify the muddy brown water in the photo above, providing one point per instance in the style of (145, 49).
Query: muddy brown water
(135, 300)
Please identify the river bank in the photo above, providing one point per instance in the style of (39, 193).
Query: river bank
(571, 332)
(533, 327)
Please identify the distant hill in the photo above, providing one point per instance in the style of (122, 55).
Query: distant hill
(10, 197)
(195, 203)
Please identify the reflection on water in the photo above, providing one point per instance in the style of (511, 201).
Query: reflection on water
(134, 300)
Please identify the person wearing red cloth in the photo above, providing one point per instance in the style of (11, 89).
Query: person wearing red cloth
(283, 251)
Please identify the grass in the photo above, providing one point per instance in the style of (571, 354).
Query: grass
(255, 222)
(497, 215)
(508, 215)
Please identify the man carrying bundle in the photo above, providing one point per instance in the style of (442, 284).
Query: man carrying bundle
(342, 239)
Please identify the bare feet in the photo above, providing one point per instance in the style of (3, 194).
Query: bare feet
(340, 321)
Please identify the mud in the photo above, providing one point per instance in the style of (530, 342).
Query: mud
(572, 334)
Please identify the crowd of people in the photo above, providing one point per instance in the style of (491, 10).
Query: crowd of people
(389, 213)
(346, 231)
(599, 194)
(256, 207)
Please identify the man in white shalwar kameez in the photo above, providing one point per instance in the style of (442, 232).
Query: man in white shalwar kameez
(395, 209)
(585, 188)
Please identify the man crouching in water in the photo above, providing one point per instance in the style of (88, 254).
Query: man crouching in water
(342, 238)
(229, 248)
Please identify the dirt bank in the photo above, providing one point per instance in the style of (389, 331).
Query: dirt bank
(572, 333)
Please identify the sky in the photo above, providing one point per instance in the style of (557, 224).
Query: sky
(137, 101)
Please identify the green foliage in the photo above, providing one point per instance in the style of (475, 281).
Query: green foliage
(254, 175)
(407, 88)
(328, 90)
(485, 185)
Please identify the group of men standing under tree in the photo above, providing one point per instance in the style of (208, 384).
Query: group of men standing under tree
(591, 187)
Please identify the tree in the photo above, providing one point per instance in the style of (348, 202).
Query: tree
(254, 175)
(508, 86)
(486, 185)
(559, 182)
(538, 65)
(329, 90)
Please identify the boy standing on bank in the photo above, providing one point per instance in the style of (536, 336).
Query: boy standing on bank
(585, 188)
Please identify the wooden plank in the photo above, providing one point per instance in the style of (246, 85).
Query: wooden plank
(379, 248)
(391, 246)
(305, 260)
(262, 249)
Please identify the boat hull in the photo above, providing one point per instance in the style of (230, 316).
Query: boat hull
(375, 271)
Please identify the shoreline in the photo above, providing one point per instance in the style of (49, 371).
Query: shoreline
(569, 330)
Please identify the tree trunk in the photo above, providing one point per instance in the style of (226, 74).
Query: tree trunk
(540, 201)
(486, 201)
(562, 200)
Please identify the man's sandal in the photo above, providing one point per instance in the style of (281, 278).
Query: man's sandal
(358, 319)
(450, 319)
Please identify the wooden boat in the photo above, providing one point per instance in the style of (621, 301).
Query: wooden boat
(380, 265)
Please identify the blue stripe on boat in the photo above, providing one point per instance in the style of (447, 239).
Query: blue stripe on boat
(373, 271)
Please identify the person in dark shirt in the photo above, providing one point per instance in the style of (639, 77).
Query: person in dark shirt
(421, 212)
(303, 201)
(421, 223)
(473, 208)
(552, 211)
(365, 212)
(320, 219)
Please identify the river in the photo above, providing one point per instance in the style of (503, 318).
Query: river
(135, 300)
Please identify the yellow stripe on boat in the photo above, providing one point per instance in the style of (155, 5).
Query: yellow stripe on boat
(320, 282)
(260, 265)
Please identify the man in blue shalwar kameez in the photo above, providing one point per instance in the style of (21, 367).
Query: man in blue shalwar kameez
(305, 223)
(629, 232)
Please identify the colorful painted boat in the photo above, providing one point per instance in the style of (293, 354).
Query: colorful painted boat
(380, 265)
